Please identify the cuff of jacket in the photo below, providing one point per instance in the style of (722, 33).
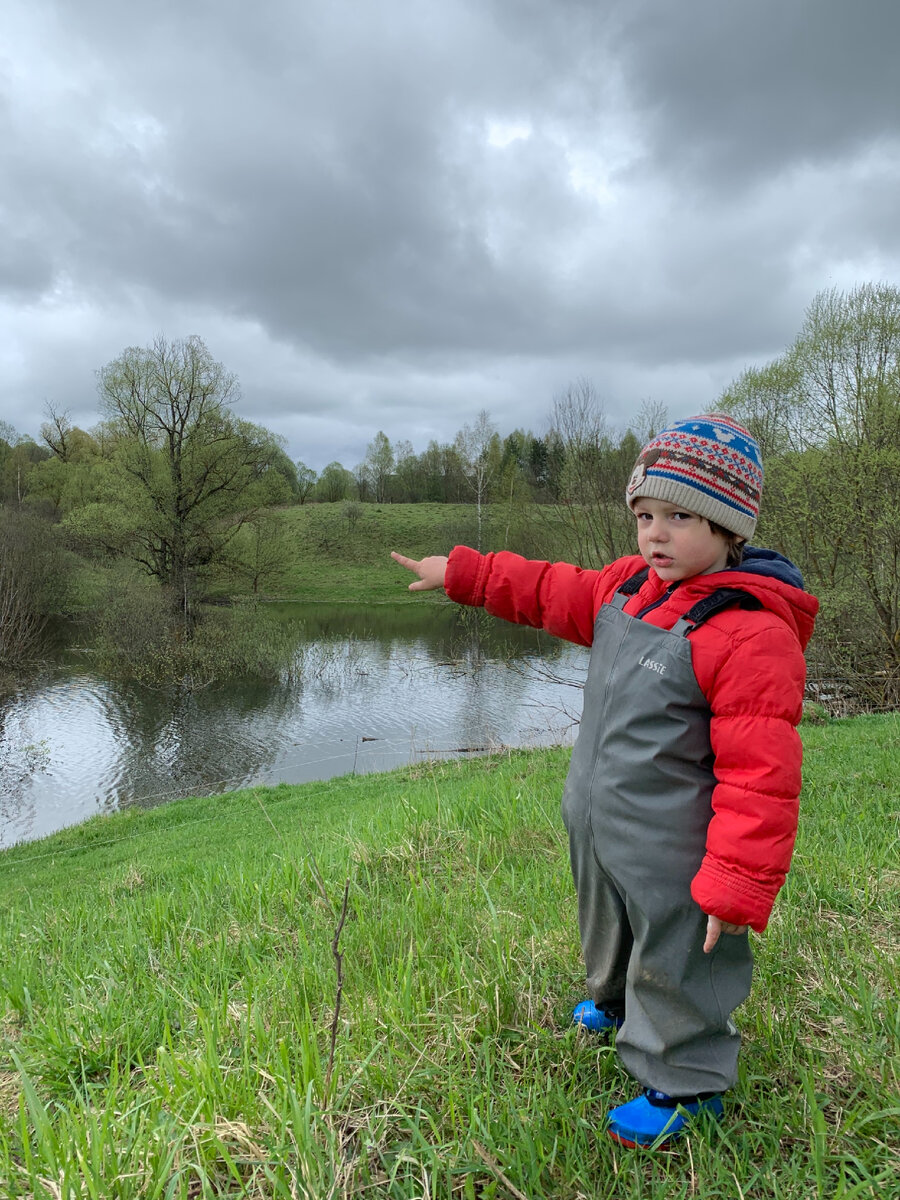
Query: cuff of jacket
(467, 575)
(729, 895)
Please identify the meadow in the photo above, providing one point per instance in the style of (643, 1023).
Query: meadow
(363, 988)
(341, 552)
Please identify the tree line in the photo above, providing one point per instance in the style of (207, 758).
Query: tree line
(827, 416)
(174, 483)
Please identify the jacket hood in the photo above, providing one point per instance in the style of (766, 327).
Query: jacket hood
(773, 580)
(771, 564)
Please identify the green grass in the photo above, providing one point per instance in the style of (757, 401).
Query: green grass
(348, 559)
(334, 553)
(168, 986)
(331, 553)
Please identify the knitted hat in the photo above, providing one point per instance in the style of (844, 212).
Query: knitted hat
(710, 464)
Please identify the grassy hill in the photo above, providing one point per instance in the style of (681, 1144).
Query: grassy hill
(334, 552)
(169, 982)
(343, 550)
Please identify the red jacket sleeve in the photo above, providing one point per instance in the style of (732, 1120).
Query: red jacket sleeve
(558, 597)
(756, 697)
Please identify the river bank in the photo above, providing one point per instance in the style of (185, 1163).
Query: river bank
(169, 982)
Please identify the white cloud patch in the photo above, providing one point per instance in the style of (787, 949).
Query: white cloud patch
(501, 134)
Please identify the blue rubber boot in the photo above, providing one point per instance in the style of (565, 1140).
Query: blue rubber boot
(654, 1115)
(594, 1019)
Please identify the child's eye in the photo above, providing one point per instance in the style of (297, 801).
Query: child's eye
(682, 516)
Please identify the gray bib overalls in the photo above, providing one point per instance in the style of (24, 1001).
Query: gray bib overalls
(637, 803)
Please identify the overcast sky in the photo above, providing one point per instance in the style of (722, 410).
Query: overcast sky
(389, 216)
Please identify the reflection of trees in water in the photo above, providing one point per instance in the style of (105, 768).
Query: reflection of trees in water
(327, 669)
(449, 632)
(564, 673)
(408, 680)
(174, 743)
(22, 756)
(474, 636)
(490, 697)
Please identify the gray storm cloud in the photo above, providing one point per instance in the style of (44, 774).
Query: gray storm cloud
(391, 218)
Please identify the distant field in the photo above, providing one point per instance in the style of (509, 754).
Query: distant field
(334, 553)
(343, 550)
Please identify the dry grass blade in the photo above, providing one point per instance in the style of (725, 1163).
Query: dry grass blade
(494, 1167)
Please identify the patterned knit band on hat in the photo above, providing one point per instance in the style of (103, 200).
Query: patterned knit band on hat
(709, 464)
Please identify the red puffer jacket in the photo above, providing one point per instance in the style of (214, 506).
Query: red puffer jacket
(749, 665)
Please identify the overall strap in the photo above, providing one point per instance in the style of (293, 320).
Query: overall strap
(709, 605)
(629, 588)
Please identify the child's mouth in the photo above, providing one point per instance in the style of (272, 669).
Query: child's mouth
(662, 560)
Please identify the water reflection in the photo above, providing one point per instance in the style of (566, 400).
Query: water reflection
(366, 689)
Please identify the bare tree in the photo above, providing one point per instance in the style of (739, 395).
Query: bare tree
(56, 432)
(652, 416)
(596, 466)
(478, 447)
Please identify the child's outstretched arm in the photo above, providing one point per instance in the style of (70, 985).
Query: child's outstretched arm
(559, 597)
(431, 571)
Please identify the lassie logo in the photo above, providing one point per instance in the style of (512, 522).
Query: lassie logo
(652, 665)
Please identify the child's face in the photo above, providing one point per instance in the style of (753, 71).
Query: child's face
(677, 543)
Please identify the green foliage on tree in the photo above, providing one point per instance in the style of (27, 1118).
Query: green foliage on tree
(334, 483)
(378, 467)
(827, 414)
(306, 481)
(18, 460)
(184, 473)
(261, 554)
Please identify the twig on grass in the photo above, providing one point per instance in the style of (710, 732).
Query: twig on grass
(338, 957)
(494, 1167)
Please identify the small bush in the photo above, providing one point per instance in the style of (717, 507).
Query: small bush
(33, 575)
(140, 636)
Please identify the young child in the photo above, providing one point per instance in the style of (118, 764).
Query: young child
(682, 794)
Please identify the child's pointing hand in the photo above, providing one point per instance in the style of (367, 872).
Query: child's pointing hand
(431, 570)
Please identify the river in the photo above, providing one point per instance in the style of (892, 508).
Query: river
(367, 689)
